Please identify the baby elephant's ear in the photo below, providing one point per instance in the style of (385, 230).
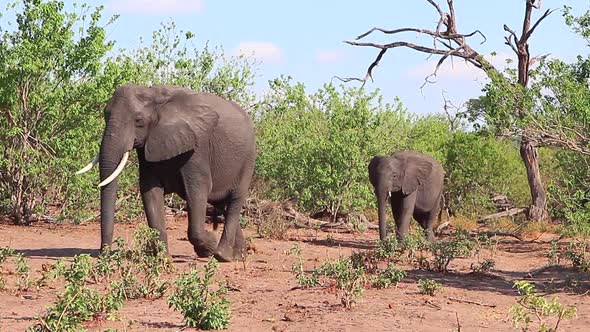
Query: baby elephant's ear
(183, 123)
(416, 172)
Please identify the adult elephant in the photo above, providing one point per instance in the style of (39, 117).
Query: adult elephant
(196, 145)
(414, 183)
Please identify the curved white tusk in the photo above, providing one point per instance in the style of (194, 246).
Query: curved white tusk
(89, 166)
(116, 172)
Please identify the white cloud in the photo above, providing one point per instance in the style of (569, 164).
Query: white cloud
(457, 69)
(329, 56)
(265, 51)
(158, 7)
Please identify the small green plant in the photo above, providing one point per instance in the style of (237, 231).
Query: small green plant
(554, 255)
(295, 250)
(412, 244)
(201, 307)
(349, 279)
(139, 269)
(52, 272)
(5, 253)
(388, 277)
(446, 251)
(388, 248)
(578, 253)
(152, 257)
(23, 272)
(368, 260)
(532, 306)
(105, 265)
(77, 303)
(305, 280)
(429, 287)
(483, 267)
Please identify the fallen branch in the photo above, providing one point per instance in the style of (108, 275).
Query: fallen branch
(472, 302)
(498, 233)
(506, 213)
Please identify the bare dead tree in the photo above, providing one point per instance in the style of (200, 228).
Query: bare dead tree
(453, 113)
(447, 43)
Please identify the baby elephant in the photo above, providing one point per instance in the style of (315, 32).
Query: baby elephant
(414, 184)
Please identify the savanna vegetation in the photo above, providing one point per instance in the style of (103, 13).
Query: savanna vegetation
(523, 143)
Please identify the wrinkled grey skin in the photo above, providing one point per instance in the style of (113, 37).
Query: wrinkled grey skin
(196, 145)
(415, 182)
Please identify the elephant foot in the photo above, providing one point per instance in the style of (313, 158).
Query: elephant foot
(226, 253)
(204, 245)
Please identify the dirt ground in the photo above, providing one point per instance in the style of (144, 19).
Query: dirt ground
(265, 296)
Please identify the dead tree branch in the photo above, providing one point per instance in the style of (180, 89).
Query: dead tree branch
(445, 34)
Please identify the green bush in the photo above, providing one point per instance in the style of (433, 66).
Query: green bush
(478, 167)
(54, 86)
(569, 191)
(316, 148)
(532, 306)
(201, 307)
(428, 287)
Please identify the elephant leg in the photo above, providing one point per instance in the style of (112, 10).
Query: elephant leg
(403, 211)
(152, 197)
(231, 245)
(203, 241)
(396, 209)
(426, 221)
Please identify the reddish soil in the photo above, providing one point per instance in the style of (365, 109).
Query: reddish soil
(265, 296)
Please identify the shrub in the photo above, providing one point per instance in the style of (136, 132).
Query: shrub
(477, 167)
(445, 251)
(388, 277)
(316, 148)
(201, 307)
(349, 279)
(77, 303)
(531, 306)
(429, 287)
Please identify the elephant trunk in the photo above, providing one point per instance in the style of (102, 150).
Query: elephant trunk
(111, 153)
(382, 206)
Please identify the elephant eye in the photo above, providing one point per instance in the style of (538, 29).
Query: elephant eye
(139, 121)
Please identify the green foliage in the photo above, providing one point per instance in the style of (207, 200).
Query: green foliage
(147, 259)
(201, 307)
(51, 62)
(349, 279)
(388, 248)
(478, 167)
(428, 287)
(54, 271)
(578, 253)
(531, 306)
(316, 147)
(484, 262)
(55, 79)
(388, 277)
(77, 303)
(445, 251)
(5, 253)
(23, 272)
(569, 191)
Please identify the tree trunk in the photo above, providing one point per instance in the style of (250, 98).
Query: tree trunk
(528, 153)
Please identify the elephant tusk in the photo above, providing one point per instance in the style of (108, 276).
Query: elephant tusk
(89, 166)
(117, 171)
(389, 193)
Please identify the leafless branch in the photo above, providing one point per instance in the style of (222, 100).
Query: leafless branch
(454, 42)
(544, 16)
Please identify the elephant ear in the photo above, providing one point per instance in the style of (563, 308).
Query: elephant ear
(184, 121)
(416, 172)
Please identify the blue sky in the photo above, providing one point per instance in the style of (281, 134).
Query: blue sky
(304, 38)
